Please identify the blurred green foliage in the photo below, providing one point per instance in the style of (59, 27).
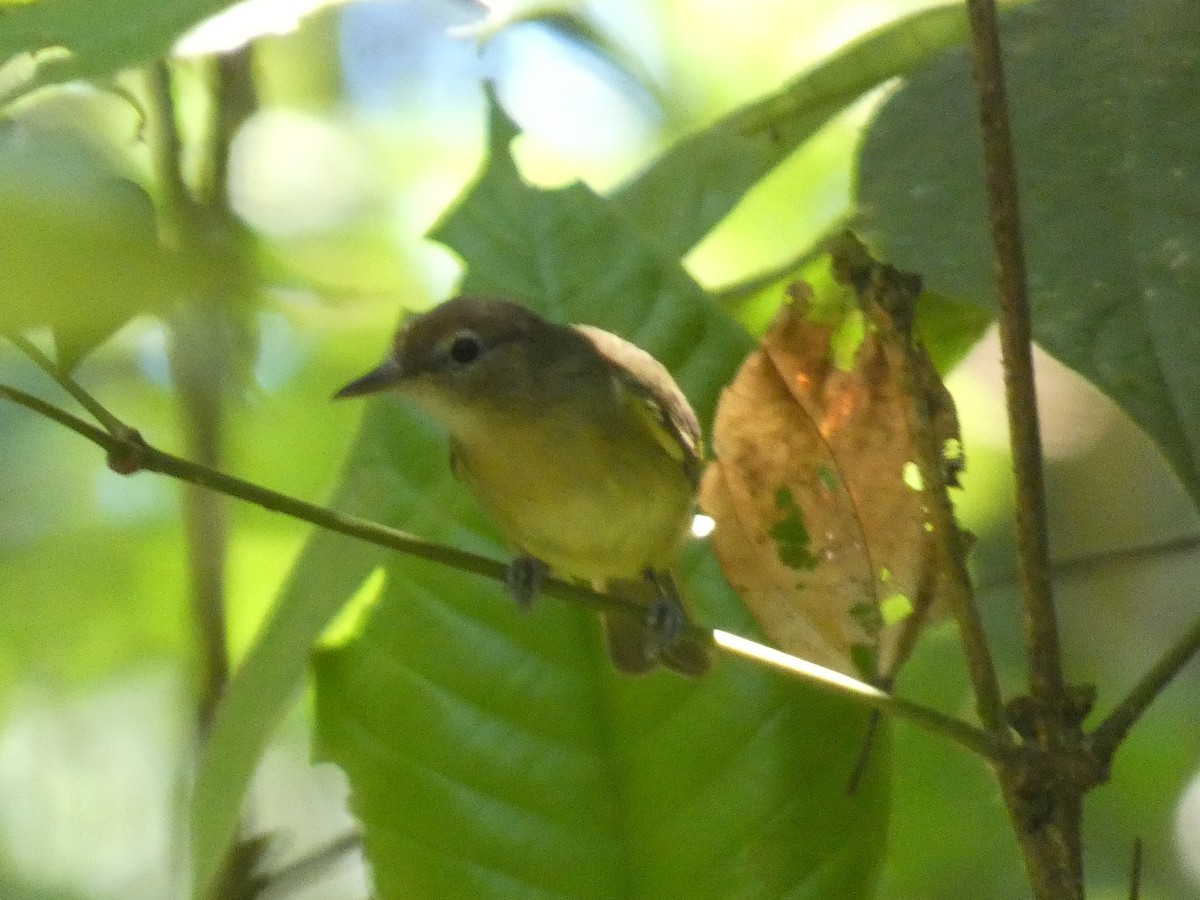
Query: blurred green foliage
(749, 166)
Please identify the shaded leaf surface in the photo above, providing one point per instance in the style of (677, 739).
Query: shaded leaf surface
(1106, 116)
(496, 754)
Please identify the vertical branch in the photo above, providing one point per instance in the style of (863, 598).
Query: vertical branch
(194, 358)
(1135, 871)
(888, 298)
(235, 101)
(176, 203)
(1044, 794)
(1047, 686)
(198, 357)
(198, 223)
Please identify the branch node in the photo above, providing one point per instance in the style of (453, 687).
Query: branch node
(129, 455)
(1033, 721)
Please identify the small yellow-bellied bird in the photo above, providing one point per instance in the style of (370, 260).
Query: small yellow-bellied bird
(578, 445)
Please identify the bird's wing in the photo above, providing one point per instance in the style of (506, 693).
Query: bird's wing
(654, 396)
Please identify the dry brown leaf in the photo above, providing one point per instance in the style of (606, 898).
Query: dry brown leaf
(819, 489)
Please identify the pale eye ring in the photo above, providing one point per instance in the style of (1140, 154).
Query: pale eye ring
(465, 348)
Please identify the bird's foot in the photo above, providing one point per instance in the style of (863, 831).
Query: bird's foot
(665, 617)
(524, 579)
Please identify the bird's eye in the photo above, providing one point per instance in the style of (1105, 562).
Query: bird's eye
(465, 348)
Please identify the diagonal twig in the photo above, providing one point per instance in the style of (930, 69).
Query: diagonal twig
(1112, 730)
(133, 454)
(98, 411)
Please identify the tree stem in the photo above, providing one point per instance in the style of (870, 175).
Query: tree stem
(1046, 810)
(1041, 626)
(198, 358)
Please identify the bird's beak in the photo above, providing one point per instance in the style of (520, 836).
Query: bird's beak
(387, 375)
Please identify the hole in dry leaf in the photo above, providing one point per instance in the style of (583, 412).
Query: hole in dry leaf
(863, 657)
(912, 476)
(790, 534)
(895, 608)
(827, 477)
(868, 616)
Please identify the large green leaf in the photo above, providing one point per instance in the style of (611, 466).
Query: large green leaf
(1106, 119)
(494, 753)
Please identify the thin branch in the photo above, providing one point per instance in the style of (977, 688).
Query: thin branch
(177, 202)
(957, 589)
(97, 410)
(103, 439)
(235, 100)
(866, 745)
(198, 357)
(1109, 733)
(195, 353)
(1090, 562)
(1046, 811)
(1086, 563)
(732, 296)
(1047, 685)
(888, 297)
(130, 455)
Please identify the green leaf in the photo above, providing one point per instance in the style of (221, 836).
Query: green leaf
(792, 543)
(1105, 115)
(125, 33)
(570, 255)
(496, 754)
(949, 327)
(78, 245)
(698, 181)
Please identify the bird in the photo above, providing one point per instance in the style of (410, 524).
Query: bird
(580, 448)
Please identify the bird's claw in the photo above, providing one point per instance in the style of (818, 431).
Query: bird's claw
(665, 617)
(524, 579)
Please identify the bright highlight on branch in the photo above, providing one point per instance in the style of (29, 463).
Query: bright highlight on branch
(777, 659)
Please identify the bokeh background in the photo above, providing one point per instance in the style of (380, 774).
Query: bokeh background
(371, 123)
